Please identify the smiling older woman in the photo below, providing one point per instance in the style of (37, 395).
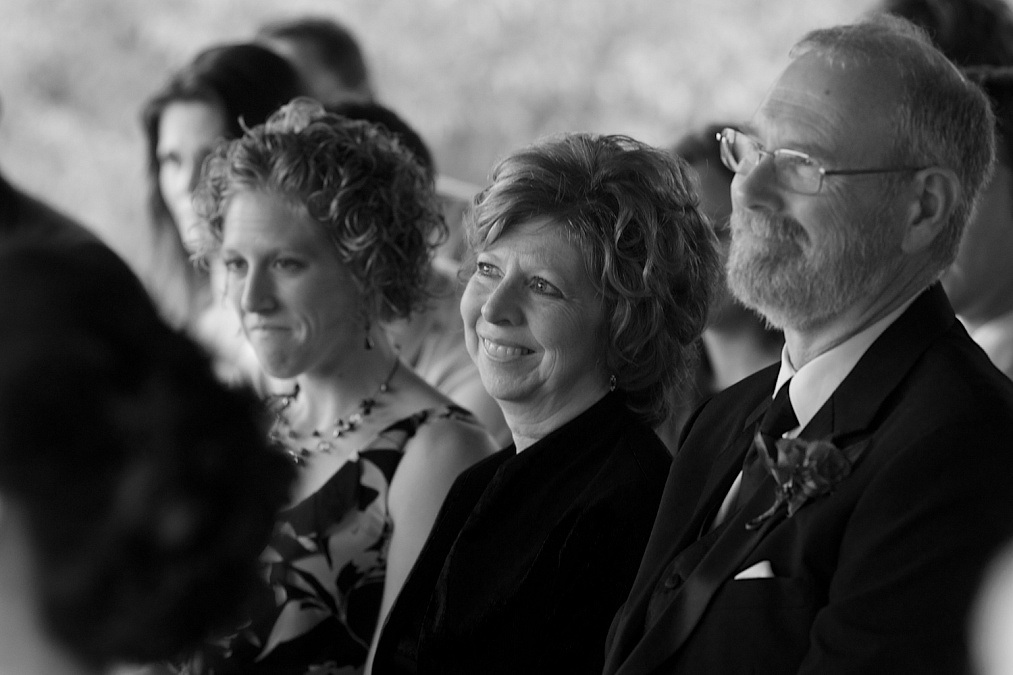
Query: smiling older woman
(592, 274)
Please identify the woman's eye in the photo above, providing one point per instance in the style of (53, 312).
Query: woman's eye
(544, 287)
(168, 160)
(485, 269)
(234, 264)
(288, 264)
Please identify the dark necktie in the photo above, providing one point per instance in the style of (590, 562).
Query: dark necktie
(779, 419)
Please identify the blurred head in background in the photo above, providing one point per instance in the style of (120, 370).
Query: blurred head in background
(211, 98)
(980, 280)
(736, 342)
(701, 150)
(136, 493)
(325, 53)
(968, 32)
(371, 111)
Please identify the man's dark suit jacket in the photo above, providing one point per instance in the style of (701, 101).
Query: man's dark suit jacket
(875, 577)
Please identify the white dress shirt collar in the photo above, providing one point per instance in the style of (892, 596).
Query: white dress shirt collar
(813, 384)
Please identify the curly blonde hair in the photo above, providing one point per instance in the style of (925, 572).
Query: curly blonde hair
(376, 202)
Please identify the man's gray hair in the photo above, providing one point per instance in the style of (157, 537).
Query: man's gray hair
(942, 119)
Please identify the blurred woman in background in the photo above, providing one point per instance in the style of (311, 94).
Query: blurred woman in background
(325, 226)
(211, 98)
(592, 273)
(136, 493)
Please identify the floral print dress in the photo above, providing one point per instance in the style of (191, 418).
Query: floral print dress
(326, 565)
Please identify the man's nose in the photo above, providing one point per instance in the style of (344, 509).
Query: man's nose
(758, 188)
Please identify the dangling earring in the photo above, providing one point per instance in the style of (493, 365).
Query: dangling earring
(612, 382)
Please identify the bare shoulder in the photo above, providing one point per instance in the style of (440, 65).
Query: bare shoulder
(442, 447)
(449, 438)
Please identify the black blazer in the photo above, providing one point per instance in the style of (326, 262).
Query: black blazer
(876, 577)
(532, 554)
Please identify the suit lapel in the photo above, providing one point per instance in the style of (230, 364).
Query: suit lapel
(676, 622)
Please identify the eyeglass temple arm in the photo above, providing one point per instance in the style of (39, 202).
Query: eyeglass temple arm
(851, 172)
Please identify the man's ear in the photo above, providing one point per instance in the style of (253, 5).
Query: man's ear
(935, 194)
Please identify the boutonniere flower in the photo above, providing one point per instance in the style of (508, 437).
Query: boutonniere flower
(804, 470)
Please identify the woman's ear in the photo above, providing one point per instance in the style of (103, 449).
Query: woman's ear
(936, 192)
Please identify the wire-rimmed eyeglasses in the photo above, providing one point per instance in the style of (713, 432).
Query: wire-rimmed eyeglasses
(793, 170)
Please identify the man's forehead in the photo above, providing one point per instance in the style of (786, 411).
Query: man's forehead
(816, 104)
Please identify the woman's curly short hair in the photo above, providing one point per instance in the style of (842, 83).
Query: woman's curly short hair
(376, 202)
(147, 490)
(647, 248)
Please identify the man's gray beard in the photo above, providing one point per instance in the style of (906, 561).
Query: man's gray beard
(789, 289)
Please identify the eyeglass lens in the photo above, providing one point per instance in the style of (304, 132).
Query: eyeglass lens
(793, 171)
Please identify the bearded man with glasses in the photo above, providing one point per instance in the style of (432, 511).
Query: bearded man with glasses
(834, 513)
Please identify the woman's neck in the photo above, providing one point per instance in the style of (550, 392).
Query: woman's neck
(327, 395)
(529, 421)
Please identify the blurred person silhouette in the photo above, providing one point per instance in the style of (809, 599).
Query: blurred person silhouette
(968, 32)
(331, 62)
(980, 280)
(21, 212)
(223, 89)
(431, 340)
(737, 342)
(325, 227)
(136, 492)
(326, 54)
(590, 280)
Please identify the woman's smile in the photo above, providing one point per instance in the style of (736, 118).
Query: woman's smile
(533, 321)
(504, 352)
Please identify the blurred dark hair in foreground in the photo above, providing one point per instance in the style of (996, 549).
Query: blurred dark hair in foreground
(144, 489)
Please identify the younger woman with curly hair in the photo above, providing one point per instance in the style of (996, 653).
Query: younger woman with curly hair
(325, 226)
(136, 492)
(593, 269)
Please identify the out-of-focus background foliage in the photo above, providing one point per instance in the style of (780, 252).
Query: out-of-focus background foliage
(477, 78)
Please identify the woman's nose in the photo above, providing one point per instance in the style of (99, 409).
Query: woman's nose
(256, 295)
(194, 177)
(503, 304)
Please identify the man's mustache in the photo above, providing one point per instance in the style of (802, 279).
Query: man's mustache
(768, 226)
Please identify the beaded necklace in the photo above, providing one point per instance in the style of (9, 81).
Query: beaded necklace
(283, 433)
